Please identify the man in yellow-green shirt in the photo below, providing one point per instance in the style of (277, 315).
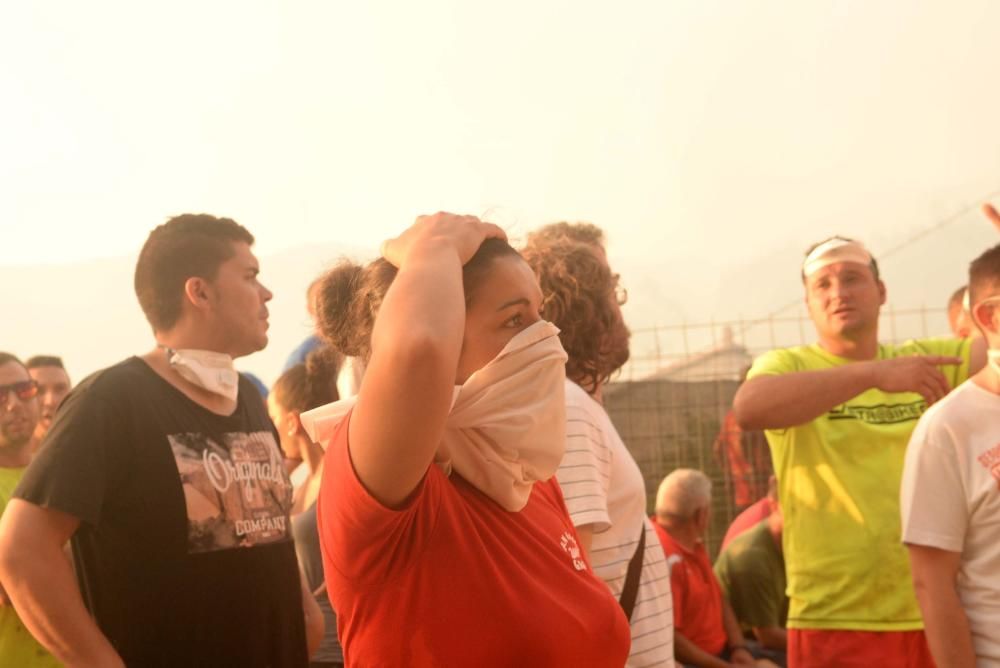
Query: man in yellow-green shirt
(838, 416)
(19, 413)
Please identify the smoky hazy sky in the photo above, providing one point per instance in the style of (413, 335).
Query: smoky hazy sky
(704, 135)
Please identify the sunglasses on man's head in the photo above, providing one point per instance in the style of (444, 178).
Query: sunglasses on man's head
(25, 389)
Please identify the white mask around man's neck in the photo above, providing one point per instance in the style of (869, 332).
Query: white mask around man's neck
(208, 370)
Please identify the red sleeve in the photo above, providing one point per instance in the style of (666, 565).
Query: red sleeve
(364, 540)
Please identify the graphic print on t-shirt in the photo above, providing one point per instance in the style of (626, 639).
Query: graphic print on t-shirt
(990, 460)
(568, 544)
(880, 414)
(235, 487)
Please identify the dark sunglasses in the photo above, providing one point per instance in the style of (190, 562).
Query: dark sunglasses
(25, 389)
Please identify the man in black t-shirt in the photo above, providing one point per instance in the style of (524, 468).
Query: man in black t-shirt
(165, 472)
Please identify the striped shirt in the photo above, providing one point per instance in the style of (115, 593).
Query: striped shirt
(604, 488)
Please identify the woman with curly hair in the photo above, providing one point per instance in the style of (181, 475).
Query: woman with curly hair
(445, 537)
(603, 487)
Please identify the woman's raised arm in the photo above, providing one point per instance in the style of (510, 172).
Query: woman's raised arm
(399, 418)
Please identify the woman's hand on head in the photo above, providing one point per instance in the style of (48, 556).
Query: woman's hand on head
(464, 233)
(399, 419)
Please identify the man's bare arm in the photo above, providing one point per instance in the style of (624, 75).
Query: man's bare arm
(791, 399)
(739, 654)
(777, 402)
(314, 622)
(40, 582)
(945, 622)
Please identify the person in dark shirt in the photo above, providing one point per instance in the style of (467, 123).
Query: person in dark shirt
(165, 472)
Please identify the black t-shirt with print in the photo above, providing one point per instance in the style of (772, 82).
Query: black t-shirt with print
(184, 552)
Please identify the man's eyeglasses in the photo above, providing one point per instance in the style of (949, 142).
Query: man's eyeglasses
(24, 390)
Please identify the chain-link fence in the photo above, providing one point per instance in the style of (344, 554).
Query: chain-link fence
(671, 403)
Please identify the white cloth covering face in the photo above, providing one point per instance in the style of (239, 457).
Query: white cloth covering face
(209, 370)
(833, 251)
(507, 426)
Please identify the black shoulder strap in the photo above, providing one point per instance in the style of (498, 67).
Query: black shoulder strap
(631, 589)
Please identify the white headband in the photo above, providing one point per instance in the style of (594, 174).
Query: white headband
(833, 251)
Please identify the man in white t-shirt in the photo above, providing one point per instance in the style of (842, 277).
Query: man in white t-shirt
(950, 499)
(603, 487)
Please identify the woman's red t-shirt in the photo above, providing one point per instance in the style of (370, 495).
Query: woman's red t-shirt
(453, 579)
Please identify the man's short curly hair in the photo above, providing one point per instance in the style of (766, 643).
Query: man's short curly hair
(578, 291)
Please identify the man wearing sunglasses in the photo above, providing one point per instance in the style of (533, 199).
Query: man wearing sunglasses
(19, 413)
